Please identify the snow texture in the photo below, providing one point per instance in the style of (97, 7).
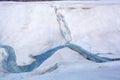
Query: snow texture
(31, 28)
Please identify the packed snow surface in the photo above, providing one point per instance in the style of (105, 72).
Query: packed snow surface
(32, 28)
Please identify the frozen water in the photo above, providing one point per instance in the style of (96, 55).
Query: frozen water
(31, 28)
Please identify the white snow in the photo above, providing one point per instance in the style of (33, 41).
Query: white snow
(31, 28)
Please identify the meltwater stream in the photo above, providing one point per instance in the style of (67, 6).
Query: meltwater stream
(63, 26)
(11, 66)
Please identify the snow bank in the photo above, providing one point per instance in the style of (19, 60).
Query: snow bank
(31, 28)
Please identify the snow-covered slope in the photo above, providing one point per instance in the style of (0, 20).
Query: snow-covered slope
(31, 28)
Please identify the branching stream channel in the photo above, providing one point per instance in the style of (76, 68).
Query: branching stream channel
(11, 65)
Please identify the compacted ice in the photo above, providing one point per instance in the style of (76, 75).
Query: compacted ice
(10, 64)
